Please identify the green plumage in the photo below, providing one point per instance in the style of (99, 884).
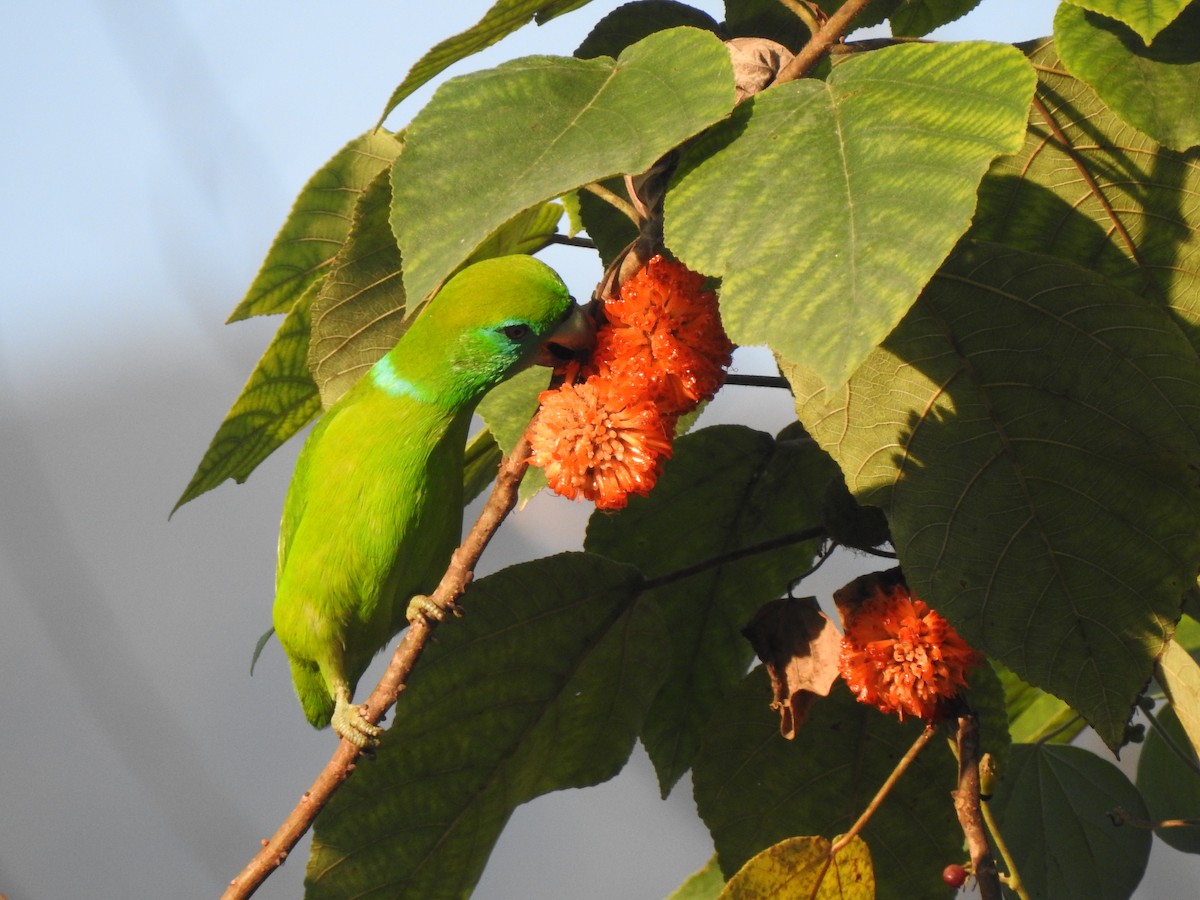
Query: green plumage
(374, 509)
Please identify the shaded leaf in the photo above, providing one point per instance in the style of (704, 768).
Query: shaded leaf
(726, 488)
(1146, 17)
(1088, 189)
(628, 24)
(1168, 784)
(1180, 678)
(507, 410)
(481, 461)
(1155, 89)
(704, 884)
(801, 867)
(895, 136)
(985, 697)
(608, 227)
(1052, 808)
(766, 18)
(598, 118)
(1031, 432)
(753, 788)
(358, 314)
(916, 18)
(502, 19)
(543, 686)
(317, 225)
(278, 400)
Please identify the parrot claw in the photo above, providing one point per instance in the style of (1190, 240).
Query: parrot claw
(422, 607)
(348, 723)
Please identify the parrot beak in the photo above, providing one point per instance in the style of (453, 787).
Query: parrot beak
(570, 340)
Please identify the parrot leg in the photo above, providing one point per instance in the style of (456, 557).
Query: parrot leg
(348, 722)
(422, 607)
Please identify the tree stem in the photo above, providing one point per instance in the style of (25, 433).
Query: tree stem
(967, 804)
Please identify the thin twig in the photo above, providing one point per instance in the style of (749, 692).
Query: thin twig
(614, 199)
(1119, 816)
(967, 805)
(881, 795)
(824, 38)
(1013, 879)
(804, 13)
(770, 381)
(452, 586)
(570, 241)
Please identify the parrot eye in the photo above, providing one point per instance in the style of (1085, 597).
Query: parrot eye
(515, 332)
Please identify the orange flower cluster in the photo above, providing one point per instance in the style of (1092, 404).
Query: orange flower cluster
(901, 656)
(661, 351)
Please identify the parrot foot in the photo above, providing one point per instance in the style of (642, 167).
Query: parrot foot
(422, 607)
(348, 723)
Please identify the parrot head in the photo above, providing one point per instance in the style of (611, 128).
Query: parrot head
(491, 320)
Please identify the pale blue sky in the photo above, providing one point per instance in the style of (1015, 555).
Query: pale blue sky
(151, 151)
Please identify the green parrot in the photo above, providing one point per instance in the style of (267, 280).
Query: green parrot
(374, 509)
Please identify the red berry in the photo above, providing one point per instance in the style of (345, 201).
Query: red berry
(954, 875)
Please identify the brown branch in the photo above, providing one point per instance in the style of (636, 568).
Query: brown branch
(452, 586)
(967, 805)
(905, 762)
(826, 36)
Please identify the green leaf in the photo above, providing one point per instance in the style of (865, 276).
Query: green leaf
(501, 20)
(1031, 432)
(543, 686)
(1180, 677)
(801, 867)
(1155, 89)
(1034, 715)
(895, 137)
(608, 227)
(1146, 17)
(916, 18)
(726, 488)
(482, 459)
(986, 698)
(278, 400)
(630, 23)
(1169, 784)
(507, 410)
(527, 232)
(358, 315)
(704, 884)
(753, 788)
(1088, 189)
(1052, 808)
(592, 119)
(317, 225)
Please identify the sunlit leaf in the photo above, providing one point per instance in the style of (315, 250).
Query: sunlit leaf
(543, 686)
(501, 20)
(317, 225)
(1033, 434)
(726, 488)
(1089, 189)
(1034, 715)
(1053, 806)
(801, 867)
(704, 884)
(804, 200)
(1180, 677)
(278, 400)
(598, 118)
(1146, 17)
(754, 788)
(1155, 89)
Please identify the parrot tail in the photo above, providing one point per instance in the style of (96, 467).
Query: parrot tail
(313, 693)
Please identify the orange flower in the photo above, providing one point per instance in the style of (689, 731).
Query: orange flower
(597, 441)
(664, 335)
(903, 657)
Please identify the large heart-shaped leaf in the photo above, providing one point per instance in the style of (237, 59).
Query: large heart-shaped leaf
(806, 200)
(1053, 806)
(1155, 89)
(542, 687)
(591, 119)
(727, 488)
(1087, 188)
(1032, 433)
